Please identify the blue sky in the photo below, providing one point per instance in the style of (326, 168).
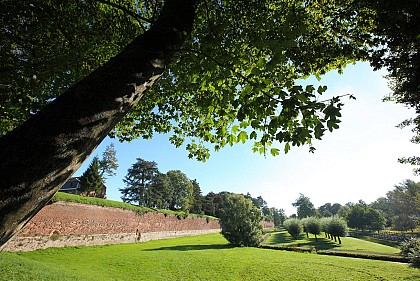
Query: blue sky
(357, 161)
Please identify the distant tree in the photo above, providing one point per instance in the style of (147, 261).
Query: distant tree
(293, 227)
(213, 203)
(404, 222)
(140, 180)
(304, 206)
(182, 190)
(208, 205)
(259, 202)
(404, 202)
(383, 205)
(328, 210)
(362, 217)
(197, 198)
(335, 208)
(278, 216)
(313, 226)
(374, 219)
(344, 209)
(160, 192)
(109, 163)
(324, 210)
(355, 217)
(240, 220)
(91, 180)
(282, 216)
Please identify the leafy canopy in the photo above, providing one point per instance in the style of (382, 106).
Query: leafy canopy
(236, 79)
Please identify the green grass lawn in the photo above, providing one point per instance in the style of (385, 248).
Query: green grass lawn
(205, 257)
(323, 243)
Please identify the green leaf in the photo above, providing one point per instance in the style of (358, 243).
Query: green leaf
(286, 148)
(231, 139)
(242, 137)
(274, 151)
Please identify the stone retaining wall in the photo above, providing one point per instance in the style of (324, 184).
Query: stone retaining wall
(72, 224)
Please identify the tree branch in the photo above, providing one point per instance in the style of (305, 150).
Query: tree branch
(132, 14)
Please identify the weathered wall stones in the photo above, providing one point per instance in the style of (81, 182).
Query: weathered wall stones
(72, 224)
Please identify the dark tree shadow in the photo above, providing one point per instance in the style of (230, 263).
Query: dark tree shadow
(193, 247)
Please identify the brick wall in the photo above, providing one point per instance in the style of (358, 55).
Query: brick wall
(71, 224)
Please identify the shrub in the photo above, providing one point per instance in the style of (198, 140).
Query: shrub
(294, 227)
(411, 250)
(240, 221)
(337, 227)
(313, 226)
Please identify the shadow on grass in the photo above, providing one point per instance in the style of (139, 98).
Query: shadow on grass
(287, 240)
(193, 247)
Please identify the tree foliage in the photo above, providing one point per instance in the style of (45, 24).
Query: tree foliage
(91, 180)
(140, 180)
(241, 63)
(401, 206)
(197, 198)
(305, 208)
(241, 221)
(293, 227)
(313, 226)
(109, 163)
(404, 201)
(337, 227)
(182, 190)
(398, 50)
(411, 250)
(363, 217)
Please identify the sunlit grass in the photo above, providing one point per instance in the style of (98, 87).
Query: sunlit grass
(323, 243)
(206, 257)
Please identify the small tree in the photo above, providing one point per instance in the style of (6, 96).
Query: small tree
(240, 220)
(294, 227)
(313, 226)
(324, 222)
(337, 228)
(91, 180)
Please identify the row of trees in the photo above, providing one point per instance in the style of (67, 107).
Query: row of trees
(399, 209)
(146, 186)
(401, 206)
(333, 227)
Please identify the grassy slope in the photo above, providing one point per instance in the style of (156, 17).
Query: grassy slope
(348, 243)
(66, 197)
(205, 257)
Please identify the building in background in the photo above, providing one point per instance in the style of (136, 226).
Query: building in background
(73, 186)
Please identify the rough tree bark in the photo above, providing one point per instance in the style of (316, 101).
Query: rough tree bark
(38, 157)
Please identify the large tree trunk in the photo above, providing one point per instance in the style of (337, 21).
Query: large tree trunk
(38, 157)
